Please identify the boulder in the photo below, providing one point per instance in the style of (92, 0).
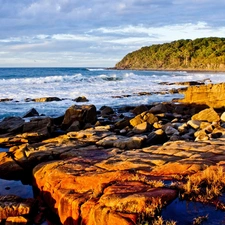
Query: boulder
(156, 137)
(157, 125)
(46, 99)
(140, 109)
(194, 124)
(176, 137)
(75, 126)
(159, 108)
(202, 137)
(122, 142)
(215, 135)
(122, 123)
(81, 99)
(83, 114)
(209, 115)
(11, 125)
(182, 128)
(171, 131)
(143, 117)
(200, 133)
(141, 128)
(6, 99)
(38, 129)
(32, 112)
(106, 110)
(206, 125)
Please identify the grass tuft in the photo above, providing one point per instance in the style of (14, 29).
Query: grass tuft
(203, 186)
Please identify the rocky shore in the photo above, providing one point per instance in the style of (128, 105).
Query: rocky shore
(120, 166)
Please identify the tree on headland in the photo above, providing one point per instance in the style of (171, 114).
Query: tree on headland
(198, 54)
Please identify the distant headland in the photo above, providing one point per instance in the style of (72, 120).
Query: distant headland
(202, 54)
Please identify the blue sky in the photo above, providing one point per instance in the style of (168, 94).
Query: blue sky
(98, 32)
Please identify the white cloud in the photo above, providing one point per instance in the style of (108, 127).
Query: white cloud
(72, 37)
(60, 31)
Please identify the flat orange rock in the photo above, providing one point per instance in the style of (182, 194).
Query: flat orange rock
(98, 196)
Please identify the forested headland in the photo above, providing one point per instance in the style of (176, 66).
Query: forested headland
(198, 54)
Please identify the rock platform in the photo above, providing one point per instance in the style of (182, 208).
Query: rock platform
(111, 168)
(101, 186)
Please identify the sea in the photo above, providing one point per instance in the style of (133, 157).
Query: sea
(101, 86)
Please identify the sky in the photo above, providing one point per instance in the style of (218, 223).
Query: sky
(98, 33)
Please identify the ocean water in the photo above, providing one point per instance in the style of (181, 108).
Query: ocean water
(100, 86)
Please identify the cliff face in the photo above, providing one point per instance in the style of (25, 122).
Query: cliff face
(212, 95)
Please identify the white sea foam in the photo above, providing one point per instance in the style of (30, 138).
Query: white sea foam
(95, 69)
(98, 86)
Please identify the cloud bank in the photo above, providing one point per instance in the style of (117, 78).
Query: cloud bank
(98, 32)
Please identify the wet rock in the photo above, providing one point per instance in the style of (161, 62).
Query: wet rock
(84, 114)
(46, 99)
(189, 83)
(32, 112)
(28, 99)
(209, 115)
(106, 110)
(11, 125)
(81, 99)
(143, 93)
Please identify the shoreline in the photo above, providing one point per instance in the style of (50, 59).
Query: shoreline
(172, 70)
(131, 165)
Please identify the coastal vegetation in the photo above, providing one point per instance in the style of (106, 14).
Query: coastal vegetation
(198, 54)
